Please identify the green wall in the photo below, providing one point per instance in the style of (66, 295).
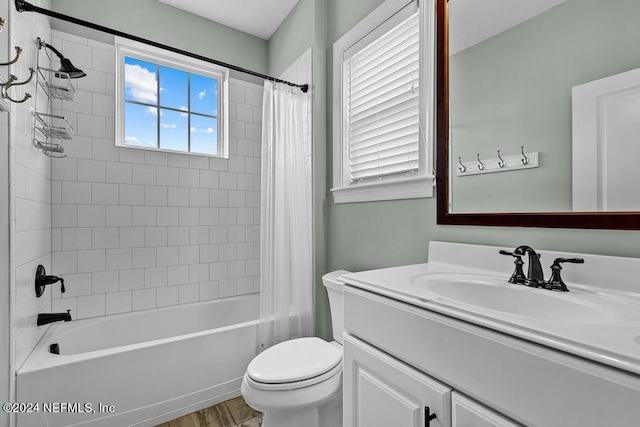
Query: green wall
(515, 89)
(382, 234)
(304, 27)
(164, 24)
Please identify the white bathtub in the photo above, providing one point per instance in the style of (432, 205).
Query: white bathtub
(152, 366)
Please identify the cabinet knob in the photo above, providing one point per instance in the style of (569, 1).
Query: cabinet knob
(428, 416)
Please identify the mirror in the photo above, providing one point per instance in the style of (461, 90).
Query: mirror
(538, 112)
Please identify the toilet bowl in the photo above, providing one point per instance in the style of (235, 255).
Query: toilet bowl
(299, 382)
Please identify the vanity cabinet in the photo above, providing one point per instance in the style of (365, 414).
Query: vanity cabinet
(400, 358)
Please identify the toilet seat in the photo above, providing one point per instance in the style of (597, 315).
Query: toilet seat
(294, 364)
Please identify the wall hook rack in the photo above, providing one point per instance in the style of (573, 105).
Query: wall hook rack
(498, 164)
(14, 60)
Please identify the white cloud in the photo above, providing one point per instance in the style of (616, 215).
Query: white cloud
(152, 110)
(132, 139)
(167, 125)
(202, 94)
(183, 108)
(141, 83)
(194, 129)
(207, 130)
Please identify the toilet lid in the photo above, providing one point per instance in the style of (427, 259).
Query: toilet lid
(294, 360)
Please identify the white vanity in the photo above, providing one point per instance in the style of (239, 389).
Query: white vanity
(453, 338)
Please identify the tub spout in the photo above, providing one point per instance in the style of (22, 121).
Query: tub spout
(46, 318)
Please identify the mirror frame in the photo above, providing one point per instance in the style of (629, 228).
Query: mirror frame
(595, 220)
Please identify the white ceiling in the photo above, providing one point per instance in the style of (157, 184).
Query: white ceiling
(473, 21)
(260, 18)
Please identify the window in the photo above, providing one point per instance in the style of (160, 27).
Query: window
(170, 102)
(383, 92)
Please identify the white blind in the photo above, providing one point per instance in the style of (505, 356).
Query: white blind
(382, 104)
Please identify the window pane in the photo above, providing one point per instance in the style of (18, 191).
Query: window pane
(140, 81)
(204, 95)
(204, 135)
(173, 130)
(141, 125)
(173, 88)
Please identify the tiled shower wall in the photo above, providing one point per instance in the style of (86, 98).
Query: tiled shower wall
(29, 196)
(136, 229)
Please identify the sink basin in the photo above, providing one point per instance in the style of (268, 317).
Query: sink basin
(492, 293)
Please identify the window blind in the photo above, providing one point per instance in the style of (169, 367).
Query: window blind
(382, 104)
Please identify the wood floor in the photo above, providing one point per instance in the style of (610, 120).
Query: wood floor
(232, 413)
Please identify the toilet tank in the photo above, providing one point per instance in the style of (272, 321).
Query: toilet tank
(332, 282)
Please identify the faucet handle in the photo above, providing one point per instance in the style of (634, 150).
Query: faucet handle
(555, 283)
(518, 276)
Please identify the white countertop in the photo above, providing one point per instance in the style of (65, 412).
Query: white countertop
(613, 338)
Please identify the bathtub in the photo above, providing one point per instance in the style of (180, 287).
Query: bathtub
(141, 368)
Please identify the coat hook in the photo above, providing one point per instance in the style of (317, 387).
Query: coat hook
(480, 164)
(525, 159)
(13, 78)
(501, 162)
(4, 94)
(461, 167)
(14, 60)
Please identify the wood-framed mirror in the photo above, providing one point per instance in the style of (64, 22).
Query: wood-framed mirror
(527, 87)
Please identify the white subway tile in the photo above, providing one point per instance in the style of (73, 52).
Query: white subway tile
(253, 97)
(155, 277)
(245, 181)
(167, 176)
(237, 199)
(90, 125)
(189, 178)
(252, 267)
(119, 216)
(104, 194)
(74, 193)
(91, 260)
(178, 275)
(208, 179)
(227, 288)
(208, 253)
(131, 155)
(189, 216)
(91, 216)
(236, 164)
(198, 273)
(104, 61)
(144, 257)
(218, 234)
(199, 235)
(228, 251)
(144, 174)
(118, 259)
(131, 279)
(119, 173)
(63, 262)
(236, 129)
(218, 271)
(236, 233)
(219, 198)
(178, 196)
(131, 237)
(208, 216)
(178, 236)
(167, 256)
(198, 162)
(244, 113)
(252, 199)
(56, 239)
(178, 160)
(76, 285)
(244, 285)
(245, 216)
(104, 105)
(198, 197)
(143, 299)
(93, 82)
(252, 165)
(76, 238)
(189, 293)
(228, 216)
(235, 269)
(218, 164)
(245, 250)
(208, 291)
(228, 180)
(236, 93)
(155, 236)
(155, 158)
(167, 296)
(65, 169)
(119, 302)
(167, 216)
(104, 237)
(61, 216)
(189, 254)
(102, 149)
(90, 306)
(144, 216)
(155, 196)
(104, 282)
(62, 305)
(131, 195)
(253, 131)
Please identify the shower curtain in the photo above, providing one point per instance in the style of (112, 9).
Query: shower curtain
(286, 301)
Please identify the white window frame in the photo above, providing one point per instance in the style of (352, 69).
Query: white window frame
(125, 47)
(388, 188)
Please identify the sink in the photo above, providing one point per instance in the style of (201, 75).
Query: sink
(497, 294)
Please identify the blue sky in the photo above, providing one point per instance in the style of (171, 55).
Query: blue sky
(141, 121)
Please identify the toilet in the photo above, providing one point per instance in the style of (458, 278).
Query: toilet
(299, 382)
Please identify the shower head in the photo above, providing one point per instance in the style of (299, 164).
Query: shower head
(65, 65)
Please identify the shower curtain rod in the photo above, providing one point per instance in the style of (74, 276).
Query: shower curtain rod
(23, 6)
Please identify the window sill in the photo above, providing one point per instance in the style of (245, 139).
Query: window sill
(411, 188)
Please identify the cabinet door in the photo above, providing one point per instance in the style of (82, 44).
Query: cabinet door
(468, 413)
(381, 391)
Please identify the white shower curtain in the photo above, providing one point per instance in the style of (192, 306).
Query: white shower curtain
(286, 301)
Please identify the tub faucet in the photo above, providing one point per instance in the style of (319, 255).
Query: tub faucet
(535, 275)
(46, 318)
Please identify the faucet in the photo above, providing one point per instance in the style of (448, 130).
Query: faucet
(535, 275)
(46, 318)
